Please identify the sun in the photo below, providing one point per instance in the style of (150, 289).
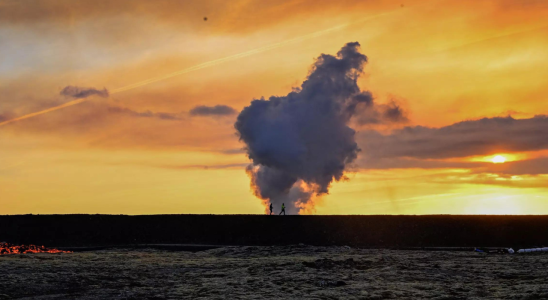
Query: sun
(498, 159)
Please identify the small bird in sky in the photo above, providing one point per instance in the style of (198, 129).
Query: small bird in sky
(205, 18)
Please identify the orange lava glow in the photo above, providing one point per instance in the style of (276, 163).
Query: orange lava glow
(6, 248)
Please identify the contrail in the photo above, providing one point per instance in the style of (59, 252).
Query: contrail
(206, 65)
(71, 103)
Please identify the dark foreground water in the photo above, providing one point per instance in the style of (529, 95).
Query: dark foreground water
(289, 272)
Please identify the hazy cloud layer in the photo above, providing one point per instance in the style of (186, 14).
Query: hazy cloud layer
(534, 166)
(217, 110)
(478, 137)
(366, 162)
(237, 16)
(80, 92)
(5, 117)
(16, 11)
(232, 151)
(205, 167)
(146, 114)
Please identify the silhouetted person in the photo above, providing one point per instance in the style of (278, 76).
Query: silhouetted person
(271, 208)
(283, 209)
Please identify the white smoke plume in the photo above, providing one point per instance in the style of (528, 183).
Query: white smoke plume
(300, 143)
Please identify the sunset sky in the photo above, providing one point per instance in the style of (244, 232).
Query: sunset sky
(469, 76)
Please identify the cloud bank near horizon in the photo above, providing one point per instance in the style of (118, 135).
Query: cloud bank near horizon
(468, 138)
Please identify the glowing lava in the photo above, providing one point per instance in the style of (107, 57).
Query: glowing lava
(6, 248)
(498, 159)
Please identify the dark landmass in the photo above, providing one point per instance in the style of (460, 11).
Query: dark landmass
(356, 231)
(273, 272)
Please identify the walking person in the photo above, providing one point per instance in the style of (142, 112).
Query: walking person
(283, 209)
(271, 209)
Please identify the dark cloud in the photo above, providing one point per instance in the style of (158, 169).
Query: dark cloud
(217, 110)
(390, 113)
(145, 114)
(301, 142)
(478, 137)
(233, 151)
(393, 113)
(80, 92)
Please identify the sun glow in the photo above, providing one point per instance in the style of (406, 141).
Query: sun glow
(506, 157)
(498, 159)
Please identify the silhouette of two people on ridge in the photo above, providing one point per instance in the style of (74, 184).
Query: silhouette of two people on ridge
(272, 209)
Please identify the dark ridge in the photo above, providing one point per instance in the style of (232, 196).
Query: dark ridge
(165, 247)
(356, 231)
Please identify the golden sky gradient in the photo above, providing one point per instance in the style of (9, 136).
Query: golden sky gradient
(449, 64)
